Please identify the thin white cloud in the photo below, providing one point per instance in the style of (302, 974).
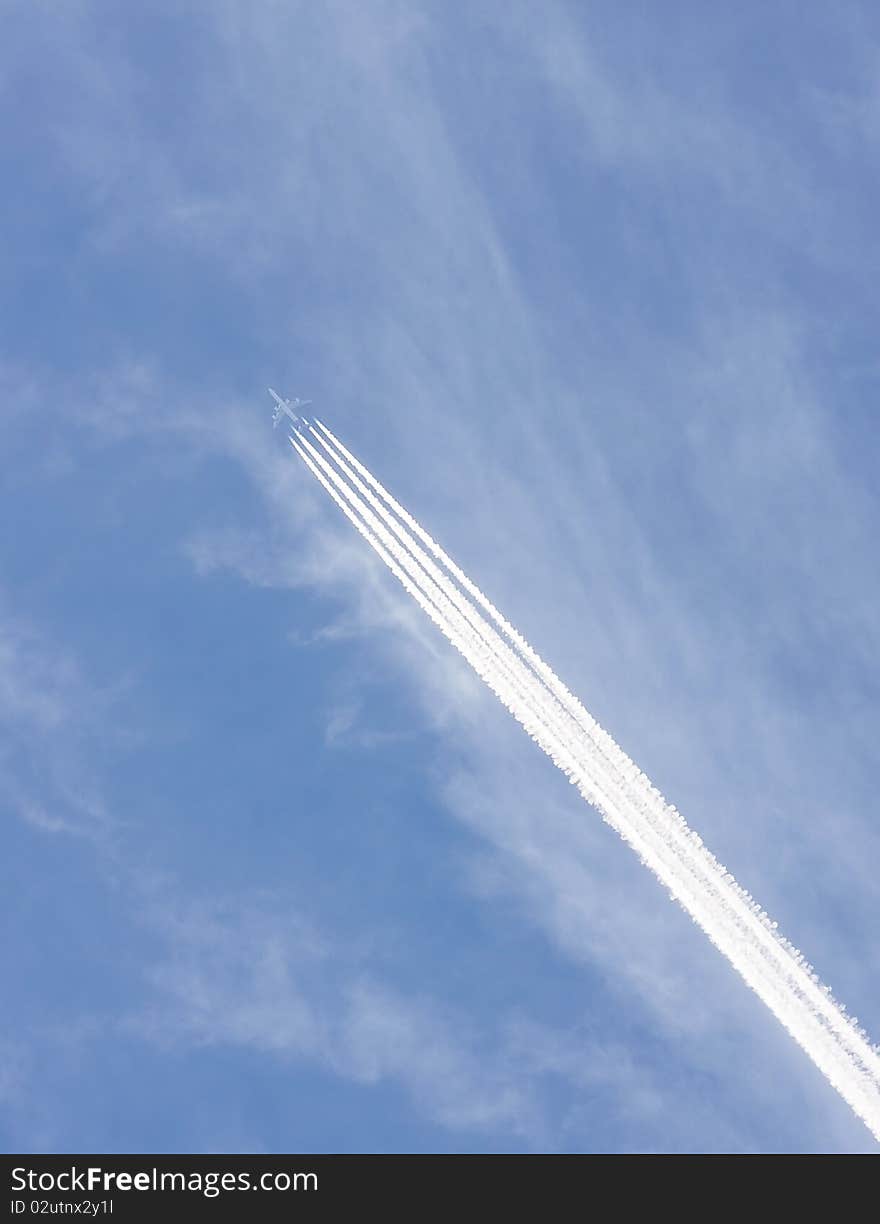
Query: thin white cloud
(48, 711)
(242, 974)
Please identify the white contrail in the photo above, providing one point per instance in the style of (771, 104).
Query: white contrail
(755, 973)
(610, 781)
(469, 633)
(733, 916)
(436, 606)
(745, 911)
(518, 675)
(576, 754)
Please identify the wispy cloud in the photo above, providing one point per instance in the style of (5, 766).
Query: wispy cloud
(47, 711)
(251, 976)
(274, 984)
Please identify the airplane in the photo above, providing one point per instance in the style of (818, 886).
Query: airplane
(285, 407)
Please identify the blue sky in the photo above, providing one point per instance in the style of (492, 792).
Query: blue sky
(592, 288)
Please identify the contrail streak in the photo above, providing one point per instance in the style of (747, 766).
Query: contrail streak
(605, 776)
